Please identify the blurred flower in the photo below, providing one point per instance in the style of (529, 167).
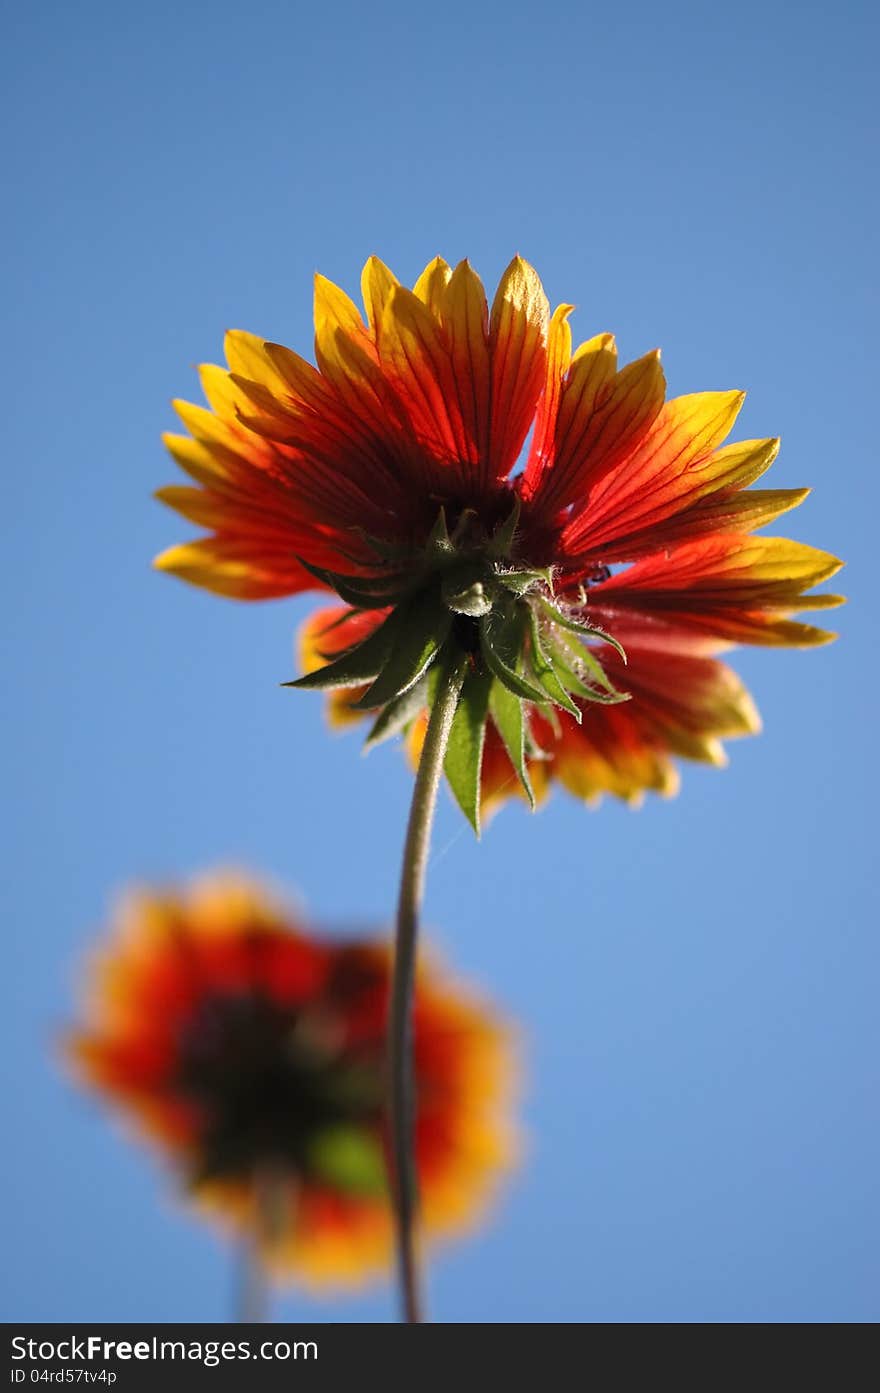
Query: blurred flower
(388, 474)
(252, 1053)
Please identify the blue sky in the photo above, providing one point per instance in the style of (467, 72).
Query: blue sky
(696, 983)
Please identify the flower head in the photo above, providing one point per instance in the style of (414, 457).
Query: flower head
(585, 594)
(252, 1053)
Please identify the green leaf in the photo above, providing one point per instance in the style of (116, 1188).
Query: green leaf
(398, 714)
(357, 665)
(502, 637)
(349, 1157)
(509, 718)
(542, 667)
(464, 753)
(423, 628)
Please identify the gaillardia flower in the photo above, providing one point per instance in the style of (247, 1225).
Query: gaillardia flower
(582, 593)
(252, 1053)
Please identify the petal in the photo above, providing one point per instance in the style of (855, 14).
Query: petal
(724, 511)
(196, 505)
(518, 346)
(465, 318)
(199, 460)
(735, 587)
(377, 283)
(682, 704)
(236, 567)
(431, 285)
(733, 566)
(677, 462)
(416, 362)
(249, 357)
(347, 356)
(558, 362)
(601, 420)
(326, 634)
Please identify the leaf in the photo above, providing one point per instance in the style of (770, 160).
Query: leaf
(400, 713)
(509, 718)
(542, 667)
(464, 753)
(357, 665)
(349, 1157)
(423, 629)
(502, 637)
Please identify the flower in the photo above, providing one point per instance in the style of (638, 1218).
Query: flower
(390, 474)
(251, 1052)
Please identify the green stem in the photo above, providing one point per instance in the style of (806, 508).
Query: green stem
(400, 1065)
(251, 1302)
(267, 1220)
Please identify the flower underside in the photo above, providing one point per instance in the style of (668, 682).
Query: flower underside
(617, 563)
(252, 1052)
(464, 603)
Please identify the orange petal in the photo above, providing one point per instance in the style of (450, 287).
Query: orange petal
(736, 587)
(240, 568)
(677, 462)
(602, 423)
(518, 347)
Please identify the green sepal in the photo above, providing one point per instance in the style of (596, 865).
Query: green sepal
(348, 1157)
(465, 591)
(385, 550)
(502, 541)
(542, 667)
(423, 628)
(578, 626)
(359, 591)
(510, 722)
(521, 582)
(439, 541)
(464, 753)
(399, 713)
(502, 637)
(357, 665)
(466, 519)
(564, 656)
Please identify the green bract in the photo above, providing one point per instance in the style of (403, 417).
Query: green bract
(464, 606)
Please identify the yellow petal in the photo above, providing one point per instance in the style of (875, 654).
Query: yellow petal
(518, 330)
(377, 283)
(431, 285)
(466, 322)
(196, 505)
(248, 357)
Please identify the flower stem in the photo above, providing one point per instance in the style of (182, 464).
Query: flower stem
(400, 1063)
(268, 1199)
(251, 1297)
